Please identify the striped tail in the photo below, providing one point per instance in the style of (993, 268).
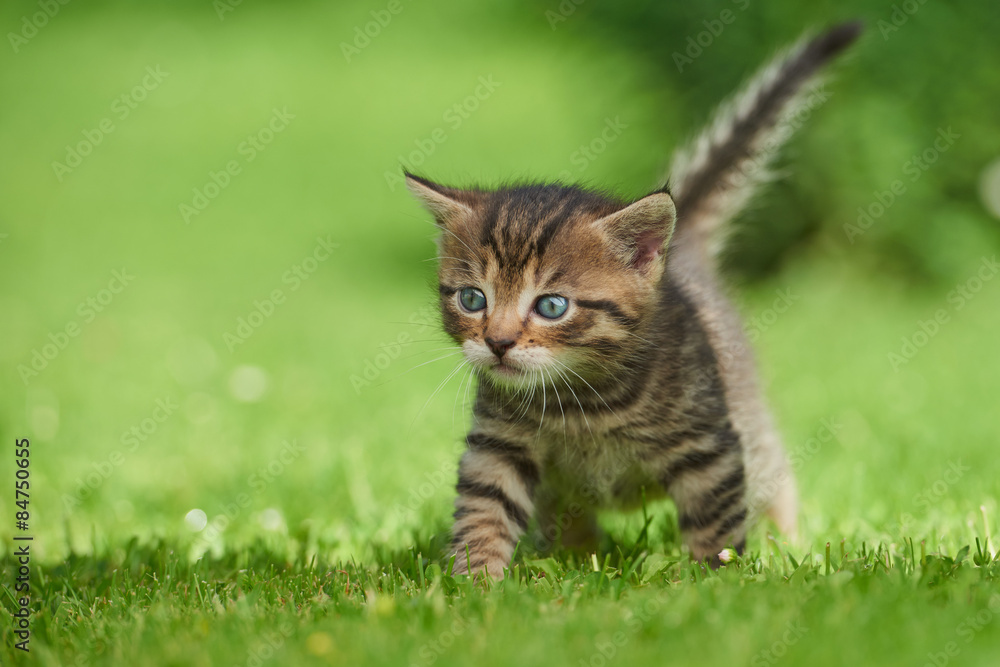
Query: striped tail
(712, 179)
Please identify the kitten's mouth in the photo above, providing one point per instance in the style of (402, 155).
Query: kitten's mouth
(505, 369)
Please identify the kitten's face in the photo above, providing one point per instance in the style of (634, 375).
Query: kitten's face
(539, 283)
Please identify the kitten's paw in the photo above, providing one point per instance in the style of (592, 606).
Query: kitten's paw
(716, 557)
(494, 567)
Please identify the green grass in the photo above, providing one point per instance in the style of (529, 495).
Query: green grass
(338, 547)
(146, 605)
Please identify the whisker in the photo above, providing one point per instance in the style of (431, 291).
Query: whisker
(423, 340)
(469, 271)
(558, 402)
(462, 363)
(573, 391)
(459, 239)
(418, 366)
(472, 377)
(415, 324)
(439, 349)
(530, 395)
(648, 342)
(467, 377)
(440, 257)
(597, 393)
(544, 402)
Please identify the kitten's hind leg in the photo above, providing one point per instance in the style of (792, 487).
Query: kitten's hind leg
(771, 484)
(707, 481)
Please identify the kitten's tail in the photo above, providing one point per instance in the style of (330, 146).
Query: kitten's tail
(716, 174)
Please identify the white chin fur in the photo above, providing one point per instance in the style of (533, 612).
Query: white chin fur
(530, 365)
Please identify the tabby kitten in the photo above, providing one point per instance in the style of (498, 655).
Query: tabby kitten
(609, 361)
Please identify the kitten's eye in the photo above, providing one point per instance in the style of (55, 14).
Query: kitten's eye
(552, 306)
(472, 299)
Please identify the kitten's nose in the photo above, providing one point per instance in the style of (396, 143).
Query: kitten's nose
(500, 347)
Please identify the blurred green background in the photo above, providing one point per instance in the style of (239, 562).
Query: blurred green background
(217, 320)
(119, 122)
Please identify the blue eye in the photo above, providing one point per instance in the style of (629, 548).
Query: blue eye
(472, 299)
(552, 306)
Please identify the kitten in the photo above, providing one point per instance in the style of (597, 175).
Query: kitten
(609, 361)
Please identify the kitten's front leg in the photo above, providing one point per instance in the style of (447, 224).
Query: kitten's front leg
(496, 485)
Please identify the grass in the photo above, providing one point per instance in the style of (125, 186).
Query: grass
(331, 554)
(146, 604)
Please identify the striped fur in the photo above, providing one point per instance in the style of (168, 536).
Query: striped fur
(645, 384)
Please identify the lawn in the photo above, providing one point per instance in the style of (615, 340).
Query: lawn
(218, 334)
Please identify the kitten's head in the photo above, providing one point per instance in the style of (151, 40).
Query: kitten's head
(539, 282)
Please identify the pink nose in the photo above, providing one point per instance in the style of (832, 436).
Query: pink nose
(500, 347)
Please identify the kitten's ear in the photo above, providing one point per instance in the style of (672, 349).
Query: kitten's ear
(642, 230)
(447, 205)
